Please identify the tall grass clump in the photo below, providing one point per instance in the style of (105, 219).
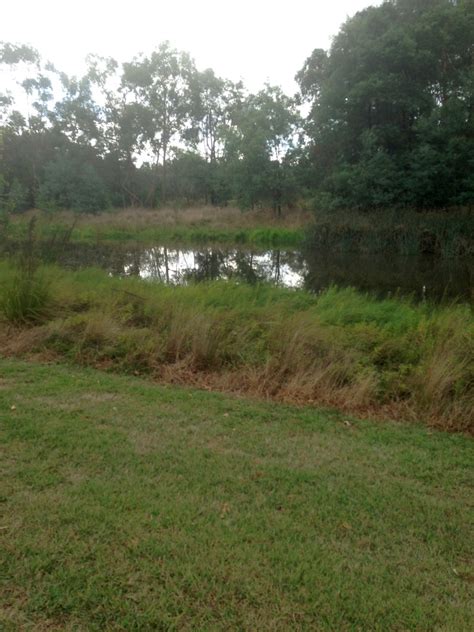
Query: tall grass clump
(445, 383)
(25, 295)
(25, 299)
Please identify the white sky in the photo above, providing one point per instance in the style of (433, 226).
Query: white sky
(253, 40)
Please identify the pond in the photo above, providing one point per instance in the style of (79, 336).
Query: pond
(422, 277)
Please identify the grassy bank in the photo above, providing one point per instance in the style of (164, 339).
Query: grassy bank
(449, 234)
(203, 225)
(128, 506)
(388, 358)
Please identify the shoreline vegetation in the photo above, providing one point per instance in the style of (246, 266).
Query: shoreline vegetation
(447, 234)
(192, 225)
(382, 358)
(441, 234)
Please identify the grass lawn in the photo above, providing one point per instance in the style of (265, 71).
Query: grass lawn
(131, 506)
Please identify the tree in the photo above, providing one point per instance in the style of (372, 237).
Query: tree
(161, 85)
(393, 72)
(77, 114)
(264, 130)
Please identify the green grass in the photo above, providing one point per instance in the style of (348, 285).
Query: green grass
(340, 348)
(25, 299)
(147, 228)
(181, 235)
(130, 506)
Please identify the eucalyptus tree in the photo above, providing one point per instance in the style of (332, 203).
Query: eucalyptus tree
(19, 134)
(264, 130)
(53, 137)
(215, 103)
(13, 56)
(161, 86)
(76, 115)
(121, 123)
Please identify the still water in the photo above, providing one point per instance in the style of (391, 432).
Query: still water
(423, 277)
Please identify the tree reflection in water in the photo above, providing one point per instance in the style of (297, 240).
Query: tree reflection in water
(179, 266)
(421, 277)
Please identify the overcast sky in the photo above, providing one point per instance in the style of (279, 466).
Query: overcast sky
(253, 40)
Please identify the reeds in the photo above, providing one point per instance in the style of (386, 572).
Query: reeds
(444, 234)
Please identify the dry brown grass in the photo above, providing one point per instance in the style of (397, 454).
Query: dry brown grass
(209, 216)
(191, 358)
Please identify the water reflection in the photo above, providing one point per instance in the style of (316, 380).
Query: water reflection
(422, 277)
(181, 266)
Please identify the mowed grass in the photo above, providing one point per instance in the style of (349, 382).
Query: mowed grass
(131, 506)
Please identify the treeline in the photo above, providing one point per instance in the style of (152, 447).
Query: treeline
(389, 123)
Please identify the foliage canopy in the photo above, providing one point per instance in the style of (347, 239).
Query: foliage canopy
(390, 123)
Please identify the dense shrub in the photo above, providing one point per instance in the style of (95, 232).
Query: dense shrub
(71, 184)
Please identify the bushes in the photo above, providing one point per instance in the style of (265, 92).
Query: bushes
(72, 184)
(14, 197)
